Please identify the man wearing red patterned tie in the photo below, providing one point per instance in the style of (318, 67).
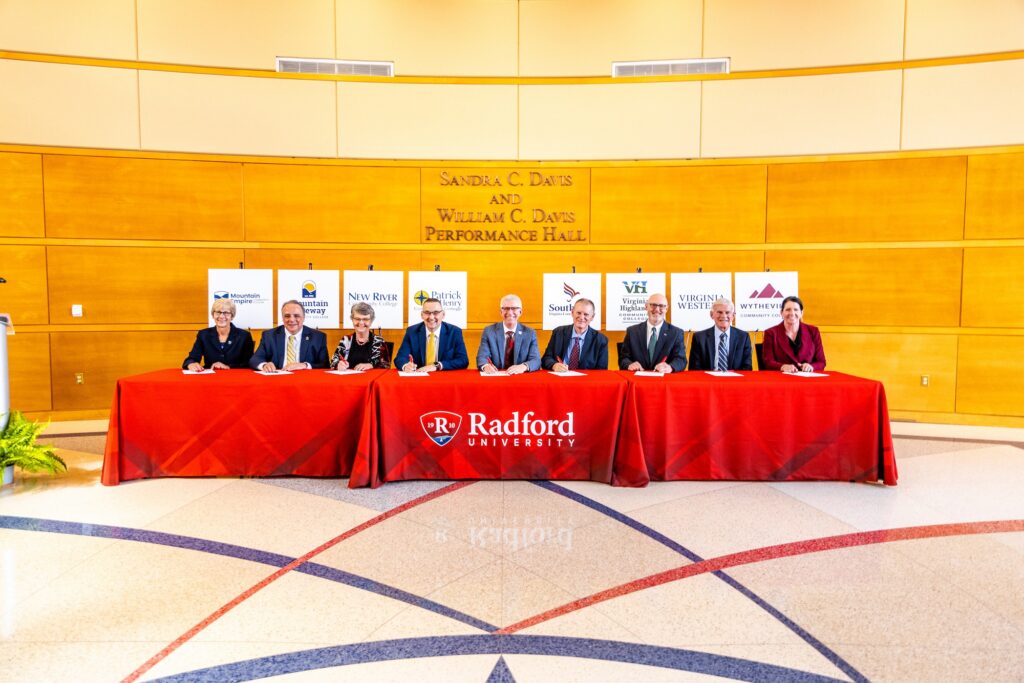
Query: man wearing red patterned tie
(577, 346)
(508, 345)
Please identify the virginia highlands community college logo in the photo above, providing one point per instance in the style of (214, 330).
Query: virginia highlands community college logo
(308, 289)
(441, 426)
(768, 292)
(635, 286)
(420, 296)
(569, 291)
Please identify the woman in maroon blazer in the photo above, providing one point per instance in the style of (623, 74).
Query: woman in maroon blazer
(793, 346)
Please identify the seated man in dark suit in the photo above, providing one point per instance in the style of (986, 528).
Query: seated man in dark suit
(576, 346)
(654, 344)
(508, 345)
(291, 346)
(432, 344)
(721, 346)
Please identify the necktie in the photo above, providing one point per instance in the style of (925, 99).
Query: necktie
(431, 349)
(508, 350)
(723, 353)
(651, 344)
(289, 354)
(574, 354)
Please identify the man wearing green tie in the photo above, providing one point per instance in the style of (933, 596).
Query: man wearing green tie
(654, 344)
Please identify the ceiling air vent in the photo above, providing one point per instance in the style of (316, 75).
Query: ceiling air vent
(336, 67)
(671, 67)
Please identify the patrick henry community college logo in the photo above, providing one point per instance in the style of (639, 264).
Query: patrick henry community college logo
(441, 426)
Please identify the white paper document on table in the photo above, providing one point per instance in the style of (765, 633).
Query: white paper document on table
(807, 374)
(344, 372)
(272, 374)
(414, 373)
(207, 371)
(499, 373)
(722, 373)
(567, 373)
(648, 373)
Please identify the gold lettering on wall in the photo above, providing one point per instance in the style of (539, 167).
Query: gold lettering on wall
(505, 206)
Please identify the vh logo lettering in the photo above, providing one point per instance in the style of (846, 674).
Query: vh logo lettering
(441, 426)
(635, 286)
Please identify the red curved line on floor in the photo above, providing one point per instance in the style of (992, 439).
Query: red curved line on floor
(772, 552)
(224, 609)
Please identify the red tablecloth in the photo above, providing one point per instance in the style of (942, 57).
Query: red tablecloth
(459, 425)
(763, 426)
(238, 423)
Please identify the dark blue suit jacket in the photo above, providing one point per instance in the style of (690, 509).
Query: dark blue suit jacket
(593, 355)
(704, 350)
(671, 346)
(206, 350)
(524, 349)
(313, 349)
(451, 352)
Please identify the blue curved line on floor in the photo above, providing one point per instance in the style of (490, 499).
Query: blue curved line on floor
(455, 646)
(203, 545)
(827, 652)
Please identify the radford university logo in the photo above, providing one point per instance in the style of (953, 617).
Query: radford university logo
(517, 430)
(441, 426)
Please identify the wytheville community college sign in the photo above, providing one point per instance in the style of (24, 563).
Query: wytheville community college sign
(505, 206)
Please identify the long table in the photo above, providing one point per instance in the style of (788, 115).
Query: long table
(237, 423)
(461, 425)
(612, 427)
(761, 426)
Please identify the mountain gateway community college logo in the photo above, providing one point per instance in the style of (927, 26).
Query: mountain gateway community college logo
(308, 289)
(441, 426)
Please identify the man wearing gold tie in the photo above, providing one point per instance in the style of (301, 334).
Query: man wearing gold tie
(292, 346)
(432, 344)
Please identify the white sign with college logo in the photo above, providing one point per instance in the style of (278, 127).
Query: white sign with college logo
(381, 289)
(251, 290)
(561, 290)
(692, 296)
(318, 292)
(759, 298)
(627, 295)
(447, 287)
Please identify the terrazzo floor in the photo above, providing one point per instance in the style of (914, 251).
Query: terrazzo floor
(305, 580)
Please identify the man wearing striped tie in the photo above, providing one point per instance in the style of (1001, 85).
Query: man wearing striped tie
(721, 346)
(292, 346)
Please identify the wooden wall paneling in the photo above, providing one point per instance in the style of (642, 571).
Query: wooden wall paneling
(678, 205)
(21, 195)
(995, 196)
(90, 353)
(876, 286)
(331, 203)
(24, 294)
(991, 373)
(493, 274)
(899, 361)
(133, 284)
(28, 355)
(857, 201)
(158, 199)
(993, 287)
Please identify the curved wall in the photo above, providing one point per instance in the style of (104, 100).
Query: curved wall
(116, 192)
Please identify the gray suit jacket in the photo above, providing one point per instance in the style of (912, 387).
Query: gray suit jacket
(492, 346)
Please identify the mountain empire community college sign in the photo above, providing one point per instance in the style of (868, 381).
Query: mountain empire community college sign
(505, 206)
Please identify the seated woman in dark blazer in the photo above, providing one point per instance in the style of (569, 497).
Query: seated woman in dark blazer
(361, 350)
(793, 346)
(222, 346)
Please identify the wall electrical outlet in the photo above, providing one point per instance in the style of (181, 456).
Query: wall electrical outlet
(79, 378)
(76, 310)
(924, 380)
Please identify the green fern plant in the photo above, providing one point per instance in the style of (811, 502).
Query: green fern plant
(18, 447)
